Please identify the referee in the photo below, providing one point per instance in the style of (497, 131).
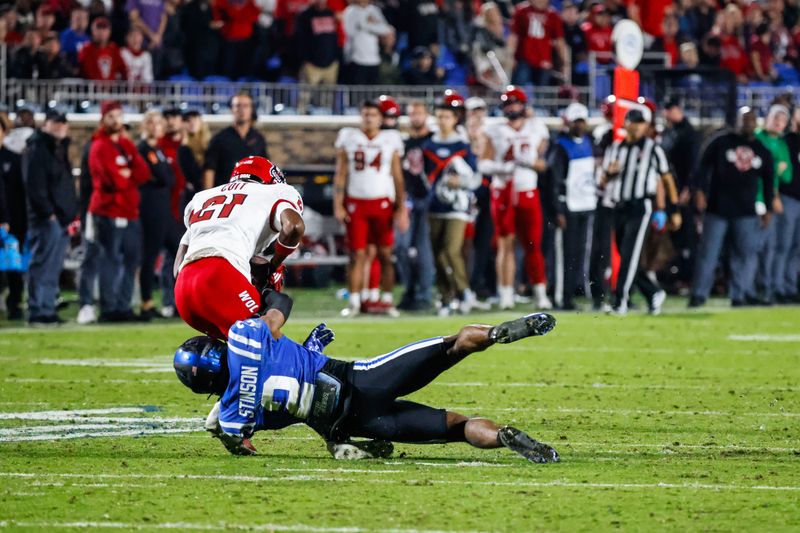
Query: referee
(633, 170)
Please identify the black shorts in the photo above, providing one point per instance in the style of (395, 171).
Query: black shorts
(373, 387)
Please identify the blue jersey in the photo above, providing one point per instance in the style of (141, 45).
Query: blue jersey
(271, 383)
(450, 155)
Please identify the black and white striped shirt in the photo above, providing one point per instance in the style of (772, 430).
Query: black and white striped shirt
(641, 165)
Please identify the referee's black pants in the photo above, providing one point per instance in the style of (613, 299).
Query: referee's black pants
(631, 221)
(600, 257)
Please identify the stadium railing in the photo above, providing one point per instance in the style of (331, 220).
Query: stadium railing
(83, 96)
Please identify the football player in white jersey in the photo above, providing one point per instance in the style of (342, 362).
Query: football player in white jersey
(514, 155)
(226, 227)
(369, 199)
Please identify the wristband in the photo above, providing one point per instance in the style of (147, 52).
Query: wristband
(284, 250)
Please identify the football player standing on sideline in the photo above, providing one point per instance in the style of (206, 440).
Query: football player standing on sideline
(369, 199)
(227, 226)
(514, 156)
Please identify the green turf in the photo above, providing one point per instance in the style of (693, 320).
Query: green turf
(664, 423)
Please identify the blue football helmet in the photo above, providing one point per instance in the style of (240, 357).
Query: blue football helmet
(201, 364)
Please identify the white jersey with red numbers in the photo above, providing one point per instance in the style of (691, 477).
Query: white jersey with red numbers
(370, 162)
(518, 145)
(236, 221)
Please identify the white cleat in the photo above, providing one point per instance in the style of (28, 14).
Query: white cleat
(168, 311)
(87, 315)
(350, 312)
(656, 302)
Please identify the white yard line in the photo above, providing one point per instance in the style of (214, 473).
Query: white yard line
(764, 338)
(195, 526)
(69, 413)
(360, 479)
(93, 381)
(677, 447)
(76, 428)
(460, 464)
(99, 434)
(624, 386)
(121, 363)
(624, 412)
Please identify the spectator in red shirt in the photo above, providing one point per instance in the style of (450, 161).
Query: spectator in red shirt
(649, 14)
(668, 42)
(117, 171)
(238, 18)
(537, 34)
(597, 30)
(761, 61)
(732, 54)
(100, 59)
(8, 18)
(285, 13)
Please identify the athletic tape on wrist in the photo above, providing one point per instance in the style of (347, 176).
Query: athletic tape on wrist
(282, 249)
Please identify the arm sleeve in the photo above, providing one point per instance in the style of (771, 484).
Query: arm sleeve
(107, 179)
(494, 168)
(290, 199)
(378, 28)
(3, 204)
(189, 167)
(701, 174)
(341, 139)
(35, 177)
(662, 164)
(187, 213)
(140, 171)
(248, 342)
(610, 155)
(768, 178)
(469, 177)
(147, 75)
(350, 21)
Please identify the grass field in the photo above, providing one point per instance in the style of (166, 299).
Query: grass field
(688, 421)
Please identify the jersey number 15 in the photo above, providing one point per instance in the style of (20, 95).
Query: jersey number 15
(221, 206)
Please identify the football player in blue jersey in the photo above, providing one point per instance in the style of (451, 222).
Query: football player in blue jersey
(267, 381)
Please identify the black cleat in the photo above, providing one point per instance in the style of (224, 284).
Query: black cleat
(532, 450)
(533, 325)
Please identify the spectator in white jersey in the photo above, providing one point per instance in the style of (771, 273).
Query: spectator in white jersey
(138, 61)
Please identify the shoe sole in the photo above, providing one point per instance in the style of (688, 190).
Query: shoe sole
(531, 449)
(534, 325)
(353, 451)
